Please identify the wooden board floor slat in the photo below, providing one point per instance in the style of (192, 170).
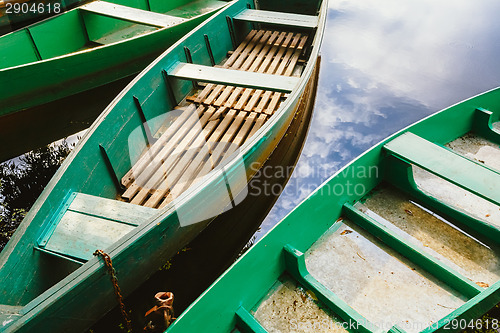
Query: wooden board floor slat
(187, 151)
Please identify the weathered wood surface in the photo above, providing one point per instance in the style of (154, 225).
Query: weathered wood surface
(228, 114)
(271, 17)
(131, 14)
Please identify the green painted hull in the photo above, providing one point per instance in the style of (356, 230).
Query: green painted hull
(42, 288)
(70, 63)
(236, 297)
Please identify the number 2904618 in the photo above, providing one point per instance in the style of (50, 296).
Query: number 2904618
(32, 8)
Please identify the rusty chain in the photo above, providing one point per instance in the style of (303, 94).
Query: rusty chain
(116, 287)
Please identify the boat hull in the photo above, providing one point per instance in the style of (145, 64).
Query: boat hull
(220, 243)
(46, 81)
(281, 252)
(150, 244)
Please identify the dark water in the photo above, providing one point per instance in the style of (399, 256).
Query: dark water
(386, 64)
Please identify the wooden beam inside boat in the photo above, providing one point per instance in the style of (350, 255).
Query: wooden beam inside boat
(131, 14)
(271, 17)
(447, 164)
(234, 77)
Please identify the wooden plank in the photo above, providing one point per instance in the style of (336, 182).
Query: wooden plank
(258, 124)
(110, 209)
(194, 139)
(282, 67)
(270, 70)
(273, 105)
(247, 93)
(446, 164)
(203, 168)
(240, 49)
(233, 129)
(79, 235)
(187, 158)
(253, 68)
(131, 14)
(240, 137)
(255, 41)
(204, 93)
(156, 160)
(156, 172)
(277, 59)
(233, 77)
(272, 17)
(256, 50)
(217, 89)
(234, 98)
(219, 113)
(183, 122)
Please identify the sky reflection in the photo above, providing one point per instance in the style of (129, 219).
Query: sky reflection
(386, 64)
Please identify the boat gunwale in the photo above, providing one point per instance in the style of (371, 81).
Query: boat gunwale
(103, 46)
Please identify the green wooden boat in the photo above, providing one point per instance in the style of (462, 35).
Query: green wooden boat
(90, 46)
(403, 239)
(174, 150)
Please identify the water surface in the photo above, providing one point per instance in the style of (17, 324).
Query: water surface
(386, 64)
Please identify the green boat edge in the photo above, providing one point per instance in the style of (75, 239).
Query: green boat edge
(227, 302)
(42, 81)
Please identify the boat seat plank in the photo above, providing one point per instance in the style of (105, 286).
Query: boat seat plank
(272, 17)
(233, 77)
(447, 164)
(90, 223)
(131, 14)
(110, 209)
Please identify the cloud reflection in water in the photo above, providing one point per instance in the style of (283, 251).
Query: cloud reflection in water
(386, 64)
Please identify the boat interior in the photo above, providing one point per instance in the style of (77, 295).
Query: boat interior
(206, 127)
(95, 24)
(405, 239)
(179, 120)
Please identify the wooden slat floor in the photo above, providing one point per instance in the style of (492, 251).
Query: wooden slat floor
(189, 147)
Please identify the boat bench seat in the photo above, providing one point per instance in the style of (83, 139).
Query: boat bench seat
(272, 17)
(85, 223)
(131, 14)
(446, 164)
(242, 95)
(233, 77)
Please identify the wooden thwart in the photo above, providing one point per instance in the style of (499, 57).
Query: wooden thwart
(272, 17)
(458, 170)
(233, 77)
(131, 14)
